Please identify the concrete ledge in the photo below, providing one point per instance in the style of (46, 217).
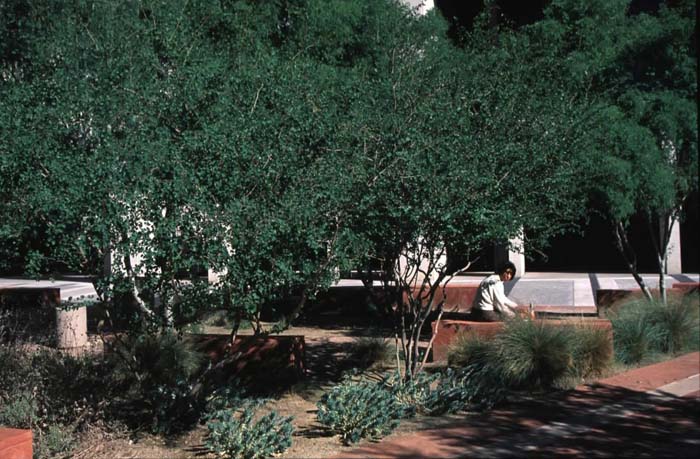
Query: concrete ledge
(447, 331)
(15, 443)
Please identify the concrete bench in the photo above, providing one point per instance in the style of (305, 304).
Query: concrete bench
(447, 331)
(15, 443)
(39, 313)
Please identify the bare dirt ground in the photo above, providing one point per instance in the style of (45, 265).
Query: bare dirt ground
(328, 349)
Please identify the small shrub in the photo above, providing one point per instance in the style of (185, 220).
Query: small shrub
(533, 353)
(19, 410)
(415, 395)
(479, 373)
(591, 351)
(369, 351)
(157, 372)
(357, 410)
(469, 349)
(55, 441)
(641, 328)
(676, 324)
(240, 437)
(456, 390)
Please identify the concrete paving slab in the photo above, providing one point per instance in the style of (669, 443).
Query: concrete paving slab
(70, 289)
(552, 292)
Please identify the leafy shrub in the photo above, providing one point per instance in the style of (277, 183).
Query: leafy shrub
(55, 383)
(458, 389)
(415, 395)
(240, 437)
(533, 353)
(357, 410)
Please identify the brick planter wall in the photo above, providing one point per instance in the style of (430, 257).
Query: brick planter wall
(448, 330)
(15, 443)
(262, 360)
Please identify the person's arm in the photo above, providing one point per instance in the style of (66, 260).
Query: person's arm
(502, 303)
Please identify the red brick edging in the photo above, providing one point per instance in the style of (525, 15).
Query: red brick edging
(15, 443)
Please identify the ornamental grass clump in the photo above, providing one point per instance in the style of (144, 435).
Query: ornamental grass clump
(534, 353)
(642, 328)
(156, 373)
(356, 410)
(592, 351)
(236, 434)
(676, 325)
(527, 354)
(371, 351)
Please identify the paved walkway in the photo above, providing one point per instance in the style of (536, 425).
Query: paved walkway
(568, 291)
(555, 289)
(650, 412)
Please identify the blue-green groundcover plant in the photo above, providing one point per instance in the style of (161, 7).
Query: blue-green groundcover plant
(237, 434)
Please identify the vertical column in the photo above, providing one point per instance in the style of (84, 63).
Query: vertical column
(421, 7)
(673, 260)
(513, 251)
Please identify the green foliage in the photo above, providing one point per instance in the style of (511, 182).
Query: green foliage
(55, 441)
(534, 354)
(592, 351)
(432, 394)
(157, 375)
(357, 410)
(677, 323)
(371, 351)
(529, 355)
(640, 71)
(243, 437)
(415, 395)
(467, 349)
(54, 384)
(641, 328)
(480, 370)
(19, 410)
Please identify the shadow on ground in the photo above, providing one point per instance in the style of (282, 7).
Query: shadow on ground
(604, 421)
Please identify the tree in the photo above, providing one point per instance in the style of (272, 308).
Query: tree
(642, 71)
(173, 137)
(468, 145)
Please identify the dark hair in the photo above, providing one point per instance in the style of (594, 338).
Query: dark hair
(503, 267)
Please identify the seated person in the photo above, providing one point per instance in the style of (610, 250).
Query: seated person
(491, 303)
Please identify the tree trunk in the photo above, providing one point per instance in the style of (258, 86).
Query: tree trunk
(628, 254)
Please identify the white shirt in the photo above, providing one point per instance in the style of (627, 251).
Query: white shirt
(491, 296)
